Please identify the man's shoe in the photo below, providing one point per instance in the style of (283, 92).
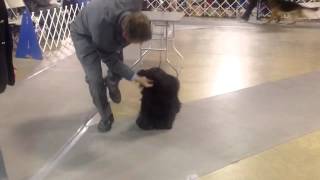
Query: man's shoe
(114, 91)
(105, 125)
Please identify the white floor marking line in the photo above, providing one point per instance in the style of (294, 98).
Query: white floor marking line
(52, 163)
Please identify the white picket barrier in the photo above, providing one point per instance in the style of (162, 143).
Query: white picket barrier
(52, 25)
(214, 8)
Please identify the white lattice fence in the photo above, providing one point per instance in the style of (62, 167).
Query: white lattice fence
(218, 8)
(52, 26)
(215, 8)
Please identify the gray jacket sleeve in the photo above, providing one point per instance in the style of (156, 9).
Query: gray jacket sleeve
(116, 65)
(102, 35)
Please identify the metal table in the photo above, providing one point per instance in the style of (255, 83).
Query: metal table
(163, 20)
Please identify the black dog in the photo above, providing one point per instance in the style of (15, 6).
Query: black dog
(160, 103)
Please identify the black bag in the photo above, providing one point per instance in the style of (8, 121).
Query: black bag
(7, 76)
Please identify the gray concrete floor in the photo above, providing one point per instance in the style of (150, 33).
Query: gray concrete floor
(208, 135)
(39, 115)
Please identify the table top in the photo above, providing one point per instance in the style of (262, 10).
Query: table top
(164, 16)
(14, 3)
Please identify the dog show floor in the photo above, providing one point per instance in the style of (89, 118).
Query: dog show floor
(209, 134)
(245, 89)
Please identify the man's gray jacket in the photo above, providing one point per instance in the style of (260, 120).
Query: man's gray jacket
(98, 33)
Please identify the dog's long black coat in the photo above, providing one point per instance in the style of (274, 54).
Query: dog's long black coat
(160, 103)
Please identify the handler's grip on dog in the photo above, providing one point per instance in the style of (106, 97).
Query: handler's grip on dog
(143, 81)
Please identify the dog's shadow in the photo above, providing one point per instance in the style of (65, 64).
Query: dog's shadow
(99, 144)
(134, 131)
(42, 138)
(128, 133)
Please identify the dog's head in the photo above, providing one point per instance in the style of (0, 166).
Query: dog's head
(162, 81)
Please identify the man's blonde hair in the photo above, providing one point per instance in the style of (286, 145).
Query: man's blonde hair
(137, 27)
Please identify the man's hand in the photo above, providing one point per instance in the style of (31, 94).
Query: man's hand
(143, 81)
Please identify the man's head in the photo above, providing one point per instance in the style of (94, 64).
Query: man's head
(137, 28)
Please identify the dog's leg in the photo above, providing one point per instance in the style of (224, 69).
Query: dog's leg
(170, 122)
(144, 123)
(165, 122)
(278, 19)
(269, 20)
(292, 18)
(273, 16)
(278, 15)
